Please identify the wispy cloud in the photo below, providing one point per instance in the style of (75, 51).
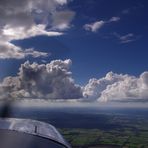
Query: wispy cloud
(127, 38)
(126, 11)
(132, 9)
(62, 19)
(114, 19)
(10, 51)
(95, 26)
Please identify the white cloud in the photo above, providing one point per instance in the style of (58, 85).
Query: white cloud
(19, 33)
(114, 19)
(95, 87)
(115, 87)
(95, 26)
(34, 53)
(54, 81)
(62, 19)
(127, 38)
(8, 50)
(62, 2)
(44, 81)
(30, 18)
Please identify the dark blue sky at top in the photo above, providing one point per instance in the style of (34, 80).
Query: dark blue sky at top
(95, 54)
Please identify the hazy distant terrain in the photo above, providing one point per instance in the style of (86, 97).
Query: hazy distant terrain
(94, 127)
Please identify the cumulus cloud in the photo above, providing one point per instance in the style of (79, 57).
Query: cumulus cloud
(30, 18)
(118, 87)
(95, 86)
(54, 81)
(44, 81)
(95, 26)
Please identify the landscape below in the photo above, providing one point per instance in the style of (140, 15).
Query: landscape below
(89, 127)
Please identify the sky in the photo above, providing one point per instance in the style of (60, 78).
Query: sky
(72, 42)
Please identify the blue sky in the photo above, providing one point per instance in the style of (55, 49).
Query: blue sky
(95, 53)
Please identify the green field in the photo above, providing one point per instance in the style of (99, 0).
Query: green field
(132, 134)
(95, 137)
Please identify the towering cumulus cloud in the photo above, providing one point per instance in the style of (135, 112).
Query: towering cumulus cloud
(50, 81)
(118, 87)
(54, 81)
(95, 87)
